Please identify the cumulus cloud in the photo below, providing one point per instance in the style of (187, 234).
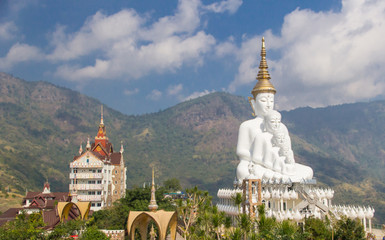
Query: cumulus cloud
(154, 95)
(230, 6)
(7, 30)
(129, 92)
(174, 89)
(20, 53)
(130, 46)
(324, 57)
(198, 94)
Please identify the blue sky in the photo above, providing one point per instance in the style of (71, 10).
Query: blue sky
(144, 56)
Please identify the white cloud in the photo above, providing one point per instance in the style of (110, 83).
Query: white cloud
(20, 53)
(7, 30)
(154, 95)
(226, 48)
(174, 89)
(129, 92)
(198, 94)
(130, 46)
(227, 5)
(325, 57)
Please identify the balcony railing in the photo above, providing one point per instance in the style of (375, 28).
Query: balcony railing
(90, 198)
(86, 175)
(85, 165)
(86, 187)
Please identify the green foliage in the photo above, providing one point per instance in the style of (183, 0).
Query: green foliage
(92, 233)
(172, 184)
(136, 199)
(317, 229)
(348, 229)
(66, 229)
(23, 227)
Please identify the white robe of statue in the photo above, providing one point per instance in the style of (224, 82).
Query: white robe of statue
(264, 148)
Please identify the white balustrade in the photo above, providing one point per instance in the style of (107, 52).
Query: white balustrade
(86, 186)
(90, 197)
(85, 165)
(86, 175)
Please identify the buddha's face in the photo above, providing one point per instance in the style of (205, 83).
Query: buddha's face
(263, 103)
(273, 121)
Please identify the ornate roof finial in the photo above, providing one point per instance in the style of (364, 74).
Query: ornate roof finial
(88, 146)
(153, 206)
(80, 149)
(101, 115)
(263, 84)
(121, 147)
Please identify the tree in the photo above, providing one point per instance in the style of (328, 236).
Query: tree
(172, 184)
(347, 228)
(23, 227)
(91, 233)
(317, 229)
(66, 229)
(190, 208)
(245, 224)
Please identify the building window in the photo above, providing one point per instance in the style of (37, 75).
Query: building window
(116, 182)
(99, 192)
(99, 181)
(116, 171)
(99, 170)
(116, 192)
(105, 171)
(99, 204)
(88, 161)
(92, 204)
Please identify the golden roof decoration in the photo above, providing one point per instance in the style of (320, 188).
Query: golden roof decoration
(263, 84)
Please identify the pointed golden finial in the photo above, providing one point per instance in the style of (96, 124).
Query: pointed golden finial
(101, 115)
(81, 149)
(88, 146)
(153, 206)
(263, 84)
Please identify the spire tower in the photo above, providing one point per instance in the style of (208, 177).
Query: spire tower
(101, 115)
(153, 206)
(263, 84)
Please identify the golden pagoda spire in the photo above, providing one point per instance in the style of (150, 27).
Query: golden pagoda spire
(263, 84)
(153, 206)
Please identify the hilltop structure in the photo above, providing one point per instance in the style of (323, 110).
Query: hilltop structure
(267, 172)
(98, 174)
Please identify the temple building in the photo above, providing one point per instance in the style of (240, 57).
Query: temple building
(55, 207)
(267, 172)
(98, 174)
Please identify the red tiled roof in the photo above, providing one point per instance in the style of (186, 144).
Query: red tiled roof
(31, 195)
(9, 215)
(115, 158)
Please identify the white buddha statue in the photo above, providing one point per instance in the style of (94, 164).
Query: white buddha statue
(264, 144)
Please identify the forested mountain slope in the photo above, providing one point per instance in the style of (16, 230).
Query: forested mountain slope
(42, 125)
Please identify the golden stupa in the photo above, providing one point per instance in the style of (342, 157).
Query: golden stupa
(263, 85)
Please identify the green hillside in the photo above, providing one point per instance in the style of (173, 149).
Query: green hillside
(42, 126)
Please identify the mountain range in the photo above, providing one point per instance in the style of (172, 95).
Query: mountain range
(43, 125)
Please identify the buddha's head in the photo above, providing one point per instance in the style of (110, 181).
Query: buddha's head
(262, 103)
(272, 121)
(263, 91)
(279, 138)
